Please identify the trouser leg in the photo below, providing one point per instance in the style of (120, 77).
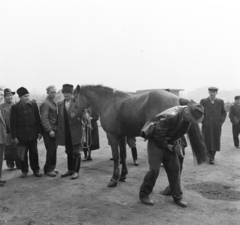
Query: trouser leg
(70, 161)
(155, 155)
(51, 152)
(172, 167)
(134, 153)
(85, 150)
(235, 131)
(33, 156)
(2, 148)
(211, 155)
(24, 163)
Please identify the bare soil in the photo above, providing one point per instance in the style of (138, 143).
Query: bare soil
(212, 192)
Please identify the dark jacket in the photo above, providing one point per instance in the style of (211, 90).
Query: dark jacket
(74, 125)
(25, 121)
(214, 116)
(170, 126)
(234, 114)
(48, 111)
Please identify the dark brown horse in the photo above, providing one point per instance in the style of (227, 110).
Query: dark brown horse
(123, 114)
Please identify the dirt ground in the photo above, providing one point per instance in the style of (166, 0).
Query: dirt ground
(211, 191)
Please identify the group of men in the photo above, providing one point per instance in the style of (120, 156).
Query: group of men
(26, 124)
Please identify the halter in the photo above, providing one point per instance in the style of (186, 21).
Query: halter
(86, 139)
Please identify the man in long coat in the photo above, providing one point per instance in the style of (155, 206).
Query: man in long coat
(26, 129)
(69, 133)
(214, 117)
(234, 115)
(6, 108)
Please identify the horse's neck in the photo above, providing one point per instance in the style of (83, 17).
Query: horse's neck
(99, 101)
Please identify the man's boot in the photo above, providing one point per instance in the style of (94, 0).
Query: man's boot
(77, 163)
(70, 166)
(134, 155)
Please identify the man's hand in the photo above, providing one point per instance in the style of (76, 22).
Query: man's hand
(15, 141)
(170, 147)
(39, 136)
(52, 133)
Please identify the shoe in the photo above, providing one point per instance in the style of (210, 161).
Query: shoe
(146, 200)
(166, 191)
(111, 158)
(237, 147)
(51, 174)
(135, 162)
(87, 159)
(3, 181)
(68, 173)
(181, 203)
(24, 175)
(37, 174)
(75, 175)
(211, 162)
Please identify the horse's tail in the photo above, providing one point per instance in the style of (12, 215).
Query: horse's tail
(196, 139)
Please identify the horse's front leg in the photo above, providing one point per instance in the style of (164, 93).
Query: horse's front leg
(113, 141)
(123, 156)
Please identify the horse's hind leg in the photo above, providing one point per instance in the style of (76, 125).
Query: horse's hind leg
(113, 141)
(123, 156)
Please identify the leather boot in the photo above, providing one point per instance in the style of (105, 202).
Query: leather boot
(77, 163)
(70, 166)
(134, 155)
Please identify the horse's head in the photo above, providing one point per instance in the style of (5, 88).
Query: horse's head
(79, 103)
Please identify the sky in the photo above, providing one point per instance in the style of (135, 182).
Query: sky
(128, 45)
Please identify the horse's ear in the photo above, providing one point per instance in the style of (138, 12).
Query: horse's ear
(78, 88)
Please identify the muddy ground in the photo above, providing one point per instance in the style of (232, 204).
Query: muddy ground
(212, 192)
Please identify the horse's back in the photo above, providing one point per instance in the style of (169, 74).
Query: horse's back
(137, 109)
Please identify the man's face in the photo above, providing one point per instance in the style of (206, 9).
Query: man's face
(212, 94)
(67, 95)
(52, 93)
(1, 96)
(237, 101)
(8, 98)
(25, 98)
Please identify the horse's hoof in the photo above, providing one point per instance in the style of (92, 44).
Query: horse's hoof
(112, 183)
(122, 179)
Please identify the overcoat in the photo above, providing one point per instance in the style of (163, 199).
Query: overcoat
(6, 114)
(3, 129)
(214, 116)
(74, 125)
(94, 132)
(25, 122)
(234, 115)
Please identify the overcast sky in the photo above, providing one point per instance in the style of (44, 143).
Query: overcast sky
(128, 45)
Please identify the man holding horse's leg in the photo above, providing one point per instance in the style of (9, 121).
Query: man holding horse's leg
(163, 146)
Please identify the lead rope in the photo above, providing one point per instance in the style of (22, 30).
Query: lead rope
(86, 140)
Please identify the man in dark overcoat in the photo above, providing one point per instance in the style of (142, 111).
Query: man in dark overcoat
(214, 116)
(234, 115)
(26, 129)
(69, 133)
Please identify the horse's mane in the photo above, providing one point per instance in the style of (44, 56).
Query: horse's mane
(100, 88)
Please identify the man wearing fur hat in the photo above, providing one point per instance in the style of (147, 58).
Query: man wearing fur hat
(6, 108)
(169, 127)
(214, 116)
(69, 133)
(26, 129)
(234, 115)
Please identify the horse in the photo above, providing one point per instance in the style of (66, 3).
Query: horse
(124, 114)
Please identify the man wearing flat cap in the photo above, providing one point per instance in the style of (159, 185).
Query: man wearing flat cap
(214, 116)
(234, 115)
(169, 127)
(6, 108)
(26, 129)
(69, 133)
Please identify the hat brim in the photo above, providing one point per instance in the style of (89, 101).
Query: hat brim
(13, 93)
(190, 114)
